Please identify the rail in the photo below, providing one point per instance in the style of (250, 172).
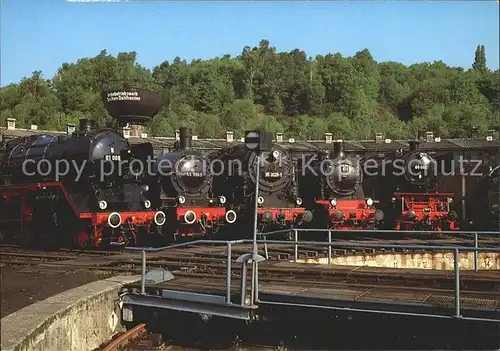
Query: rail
(247, 258)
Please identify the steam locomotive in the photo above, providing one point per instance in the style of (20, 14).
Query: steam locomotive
(78, 188)
(184, 192)
(338, 196)
(416, 205)
(493, 180)
(279, 204)
(485, 214)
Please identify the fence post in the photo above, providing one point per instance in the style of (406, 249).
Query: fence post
(265, 247)
(228, 274)
(243, 283)
(296, 239)
(143, 278)
(456, 258)
(476, 254)
(329, 247)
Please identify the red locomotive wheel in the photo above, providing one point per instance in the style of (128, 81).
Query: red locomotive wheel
(82, 239)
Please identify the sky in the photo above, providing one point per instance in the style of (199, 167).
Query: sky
(44, 34)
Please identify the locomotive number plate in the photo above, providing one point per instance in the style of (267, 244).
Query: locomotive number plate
(193, 174)
(344, 169)
(423, 167)
(112, 157)
(273, 174)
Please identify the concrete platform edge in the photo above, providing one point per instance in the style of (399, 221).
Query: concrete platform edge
(77, 319)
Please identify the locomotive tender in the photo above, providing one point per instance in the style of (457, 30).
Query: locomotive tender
(416, 203)
(184, 191)
(335, 183)
(279, 203)
(95, 199)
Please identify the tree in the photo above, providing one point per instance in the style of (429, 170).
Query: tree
(480, 59)
(301, 96)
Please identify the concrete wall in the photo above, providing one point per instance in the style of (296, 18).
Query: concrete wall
(78, 319)
(438, 260)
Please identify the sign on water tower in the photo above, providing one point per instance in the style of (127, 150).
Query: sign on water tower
(258, 140)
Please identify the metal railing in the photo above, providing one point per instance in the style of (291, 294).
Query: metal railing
(296, 231)
(247, 258)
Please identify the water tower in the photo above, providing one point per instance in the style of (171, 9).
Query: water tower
(131, 105)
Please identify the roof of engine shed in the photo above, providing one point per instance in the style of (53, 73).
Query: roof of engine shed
(295, 145)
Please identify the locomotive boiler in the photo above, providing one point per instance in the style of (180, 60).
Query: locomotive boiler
(279, 204)
(417, 204)
(334, 190)
(78, 188)
(184, 187)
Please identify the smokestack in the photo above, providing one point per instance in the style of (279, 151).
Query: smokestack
(86, 125)
(413, 145)
(338, 149)
(186, 137)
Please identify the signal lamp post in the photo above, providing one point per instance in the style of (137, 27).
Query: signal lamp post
(257, 141)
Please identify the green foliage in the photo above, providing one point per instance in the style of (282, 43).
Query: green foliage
(303, 97)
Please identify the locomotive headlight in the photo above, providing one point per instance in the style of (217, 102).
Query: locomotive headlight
(147, 204)
(333, 202)
(114, 220)
(231, 216)
(449, 199)
(102, 205)
(260, 200)
(369, 201)
(222, 199)
(298, 201)
(276, 154)
(190, 217)
(160, 218)
(181, 199)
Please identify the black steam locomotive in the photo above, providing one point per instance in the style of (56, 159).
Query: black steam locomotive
(279, 204)
(77, 188)
(416, 203)
(485, 214)
(184, 189)
(336, 193)
(493, 180)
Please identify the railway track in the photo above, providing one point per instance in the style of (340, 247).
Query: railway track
(211, 261)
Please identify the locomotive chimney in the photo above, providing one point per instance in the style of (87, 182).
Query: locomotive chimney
(338, 148)
(413, 144)
(86, 125)
(186, 137)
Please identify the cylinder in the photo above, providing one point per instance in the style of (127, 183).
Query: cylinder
(185, 138)
(413, 144)
(338, 149)
(86, 124)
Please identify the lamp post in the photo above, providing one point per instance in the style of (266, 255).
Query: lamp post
(256, 141)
